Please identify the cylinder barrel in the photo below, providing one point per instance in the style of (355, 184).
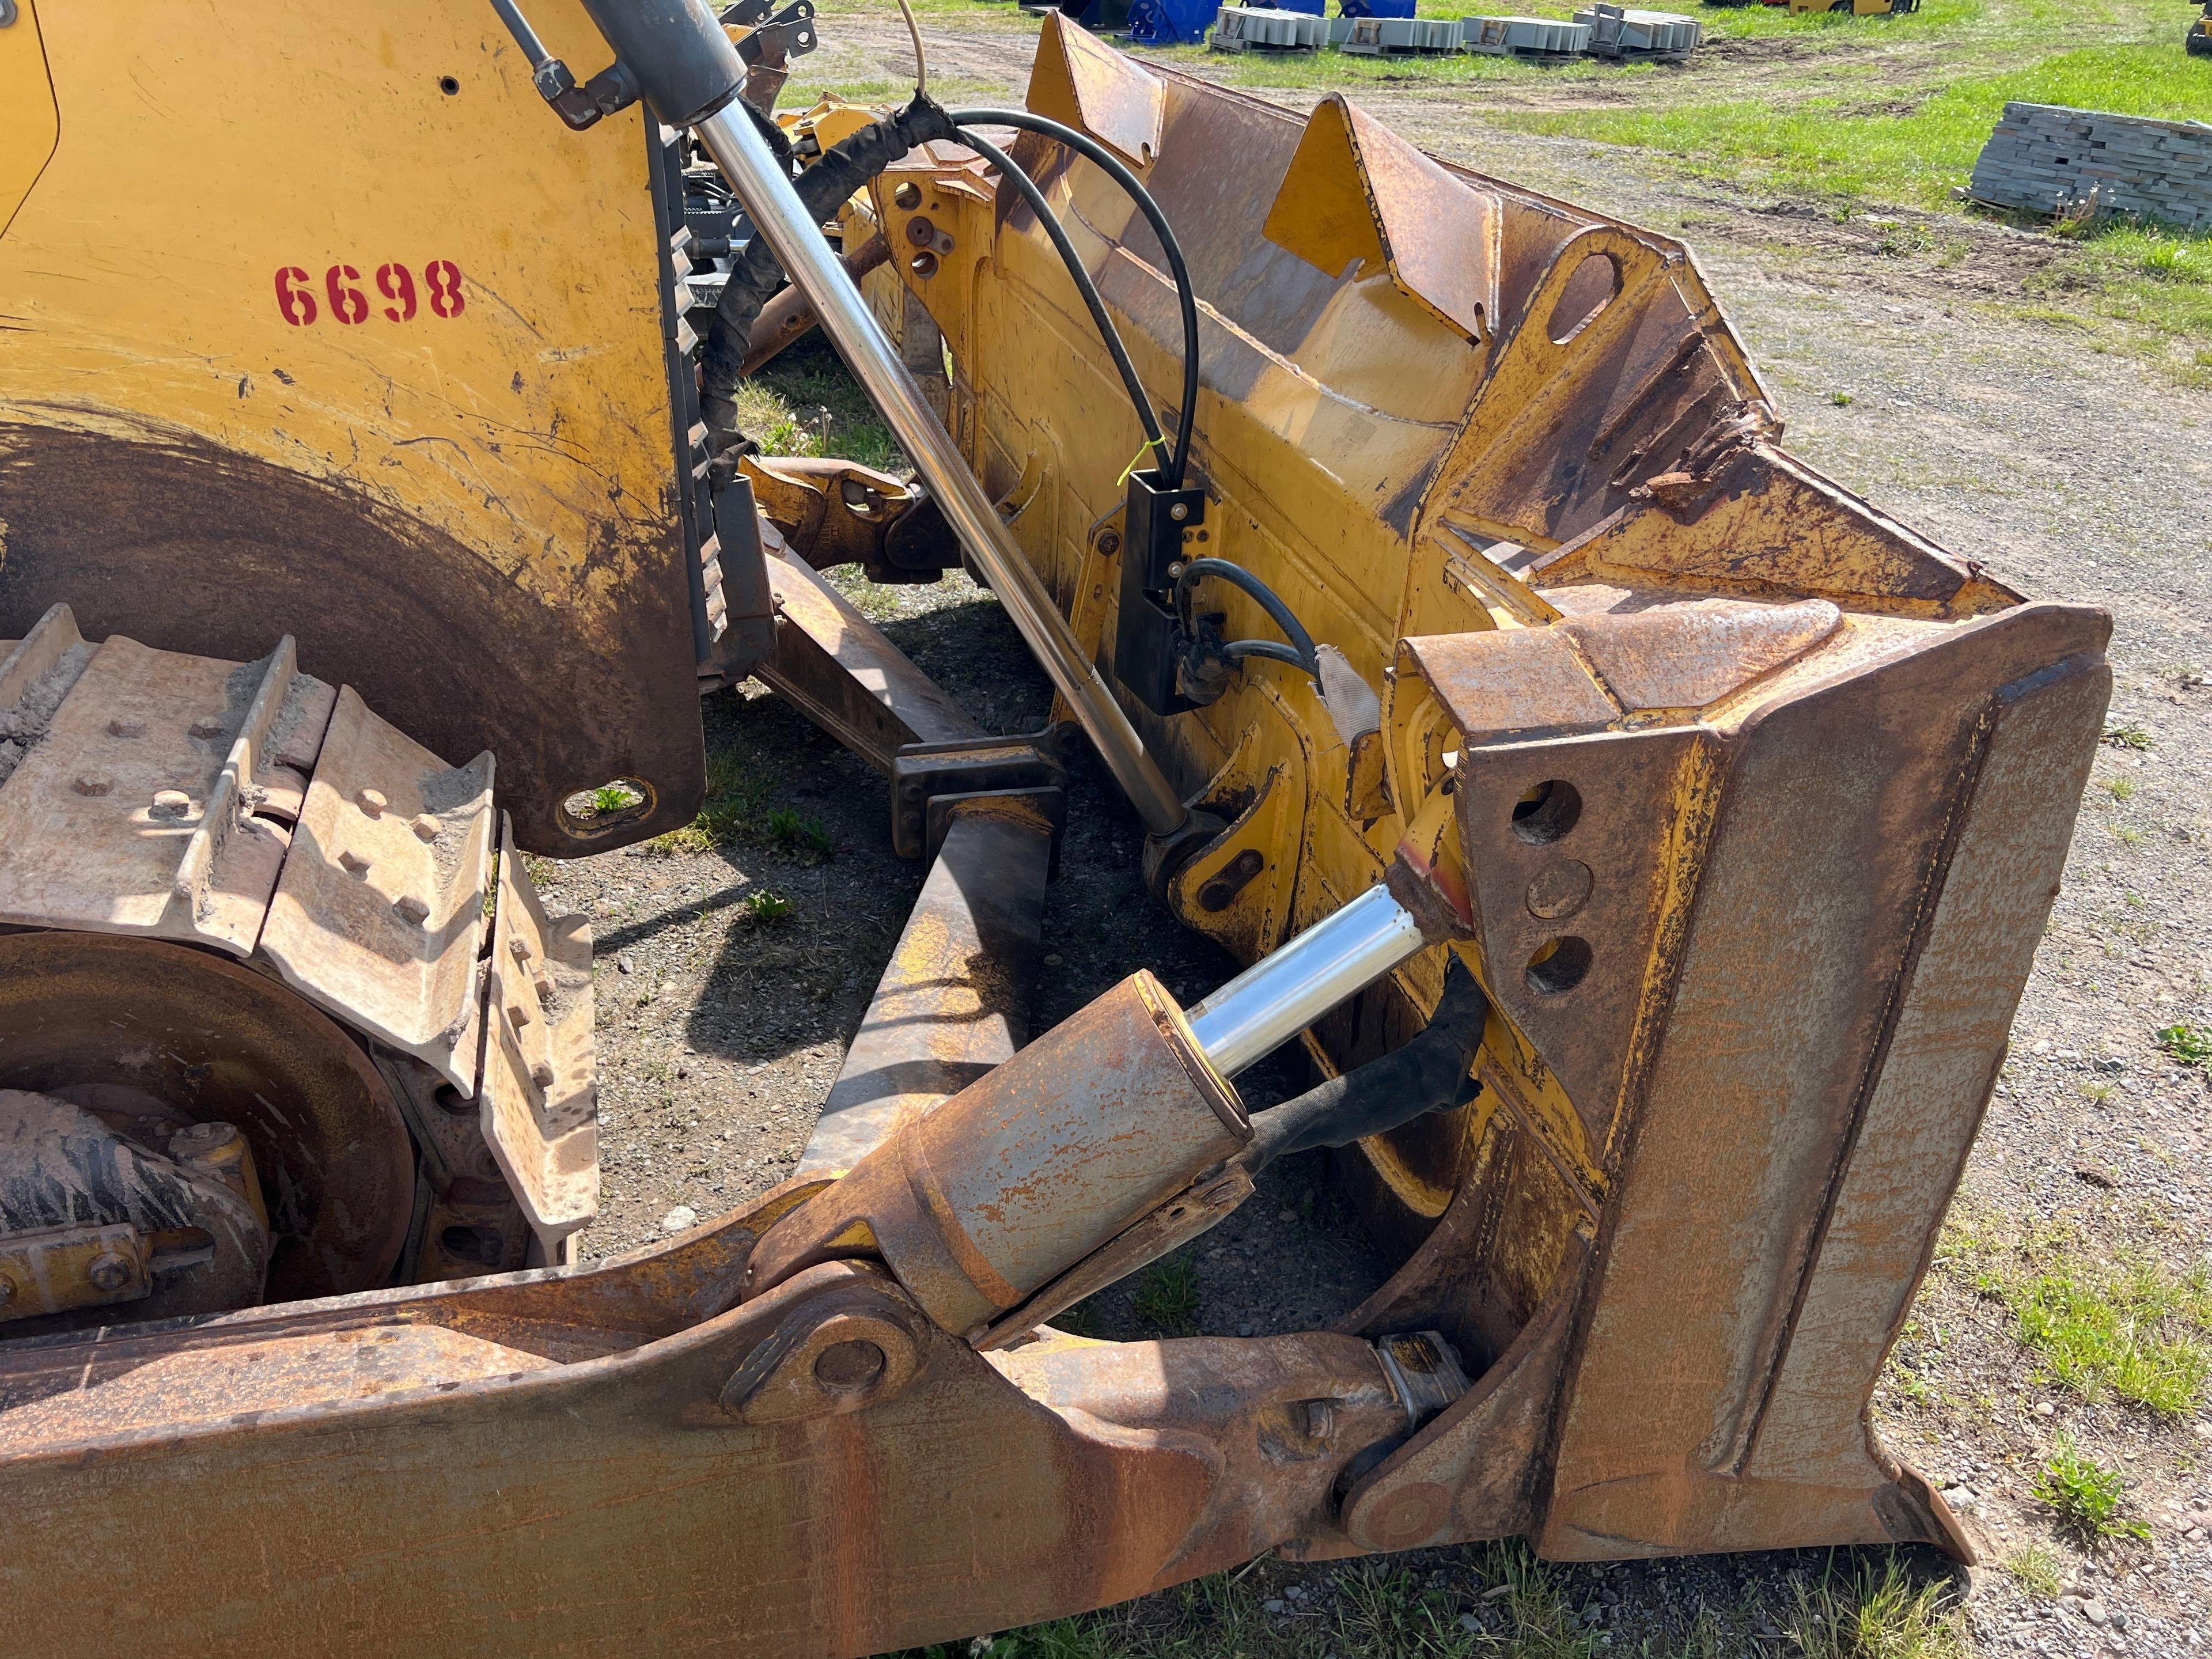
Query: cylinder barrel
(1030, 1168)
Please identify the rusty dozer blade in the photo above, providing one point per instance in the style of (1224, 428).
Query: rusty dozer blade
(1649, 850)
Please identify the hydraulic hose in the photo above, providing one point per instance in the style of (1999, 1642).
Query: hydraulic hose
(1026, 187)
(1186, 296)
(755, 274)
(1428, 1074)
(1300, 652)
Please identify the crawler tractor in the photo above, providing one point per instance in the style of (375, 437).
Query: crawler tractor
(1644, 838)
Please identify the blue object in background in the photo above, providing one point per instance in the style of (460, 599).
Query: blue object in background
(1173, 23)
(1311, 7)
(1374, 8)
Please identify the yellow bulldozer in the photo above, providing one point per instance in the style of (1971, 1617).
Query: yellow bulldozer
(1644, 838)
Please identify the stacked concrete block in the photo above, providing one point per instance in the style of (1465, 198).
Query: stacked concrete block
(2046, 158)
(1376, 37)
(1254, 29)
(1524, 37)
(1621, 32)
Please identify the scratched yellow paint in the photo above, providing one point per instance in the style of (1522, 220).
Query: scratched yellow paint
(204, 150)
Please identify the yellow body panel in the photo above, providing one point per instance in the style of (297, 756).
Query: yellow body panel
(352, 245)
(28, 122)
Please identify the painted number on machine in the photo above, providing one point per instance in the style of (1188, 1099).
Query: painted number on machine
(300, 300)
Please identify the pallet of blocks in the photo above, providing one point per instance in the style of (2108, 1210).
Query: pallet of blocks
(1524, 37)
(1621, 32)
(2047, 158)
(1257, 29)
(1400, 37)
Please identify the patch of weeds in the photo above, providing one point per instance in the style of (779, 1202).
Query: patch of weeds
(798, 834)
(1841, 399)
(2086, 1494)
(766, 907)
(1167, 1298)
(2128, 836)
(1521, 1609)
(2037, 1571)
(738, 792)
(2120, 788)
(2189, 1044)
(2135, 1329)
(614, 798)
(2127, 737)
(1876, 1611)
(2096, 1091)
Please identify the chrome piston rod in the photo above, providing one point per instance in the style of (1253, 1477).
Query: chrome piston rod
(1282, 994)
(817, 271)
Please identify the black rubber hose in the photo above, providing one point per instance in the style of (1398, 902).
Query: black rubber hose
(755, 274)
(1187, 296)
(1428, 1074)
(1284, 617)
(1026, 187)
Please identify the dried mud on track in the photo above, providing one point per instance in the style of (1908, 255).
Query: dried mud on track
(2073, 476)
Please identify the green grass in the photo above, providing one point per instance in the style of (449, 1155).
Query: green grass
(2037, 1571)
(1876, 1611)
(798, 834)
(1912, 145)
(2132, 1328)
(783, 408)
(735, 808)
(1167, 1298)
(2086, 1496)
(1495, 1601)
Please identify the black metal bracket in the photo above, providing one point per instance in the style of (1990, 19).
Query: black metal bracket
(1149, 641)
(928, 779)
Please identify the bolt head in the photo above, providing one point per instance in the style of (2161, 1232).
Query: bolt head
(7, 1290)
(353, 864)
(171, 804)
(373, 802)
(425, 827)
(542, 1075)
(210, 725)
(94, 783)
(123, 728)
(411, 910)
(109, 1273)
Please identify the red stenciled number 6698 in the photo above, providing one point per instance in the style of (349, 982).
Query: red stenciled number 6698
(295, 293)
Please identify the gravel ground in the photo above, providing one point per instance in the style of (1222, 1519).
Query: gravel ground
(1903, 374)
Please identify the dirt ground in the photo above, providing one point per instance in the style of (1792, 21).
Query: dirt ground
(1905, 371)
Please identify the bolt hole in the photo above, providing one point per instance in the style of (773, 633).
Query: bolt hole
(908, 196)
(449, 85)
(1546, 812)
(1560, 964)
(607, 806)
(923, 265)
(452, 1102)
(849, 1367)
